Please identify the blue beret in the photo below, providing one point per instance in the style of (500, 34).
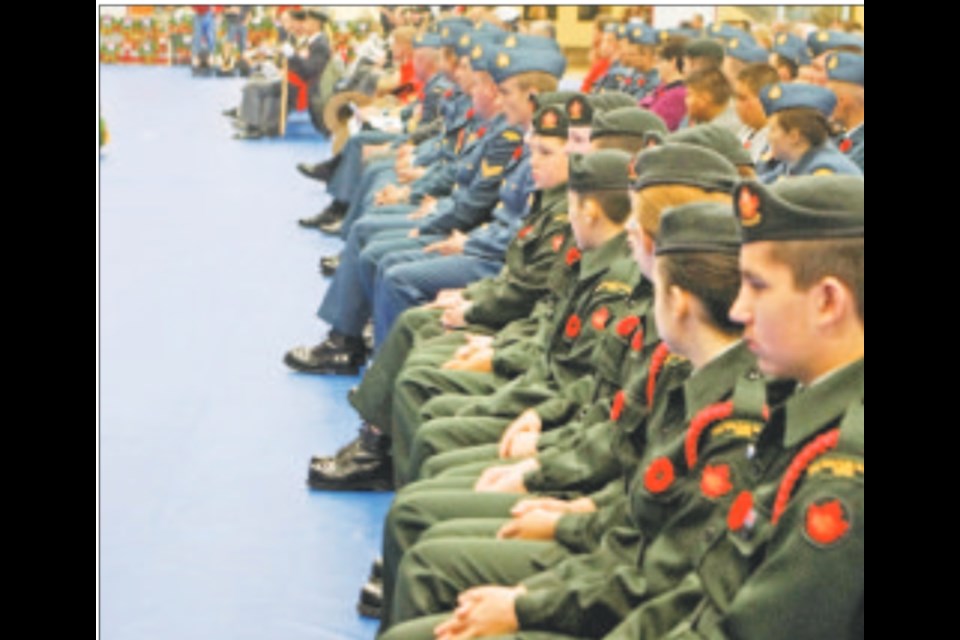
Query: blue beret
(482, 56)
(621, 31)
(845, 67)
(746, 51)
(791, 47)
(450, 33)
(468, 39)
(823, 41)
(524, 41)
(427, 39)
(797, 95)
(640, 33)
(727, 32)
(611, 27)
(506, 63)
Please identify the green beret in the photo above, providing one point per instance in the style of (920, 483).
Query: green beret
(705, 48)
(717, 138)
(626, 121)
(699, 227)
(611, 100)
(801, 208)
(298, 14)
(548, 98)
(550, 121)
(317, 14)
(683, 164)
(604, 170)
(579, 111)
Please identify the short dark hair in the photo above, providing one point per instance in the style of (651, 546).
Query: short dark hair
(813, 125)
(758, 75)
(614, 204)
(784, 61)
(674, 50)
(813, 260)
(624, 142)
(711, 82)
(712, 278)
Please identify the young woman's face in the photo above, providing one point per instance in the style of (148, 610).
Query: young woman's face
(578, 140)
(548, 161)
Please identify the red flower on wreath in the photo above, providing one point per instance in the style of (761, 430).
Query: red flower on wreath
(659, 475)
(616, 409)
(573, 256)
(715, 481)
(741, 512)
(573, 326)
(627, 326)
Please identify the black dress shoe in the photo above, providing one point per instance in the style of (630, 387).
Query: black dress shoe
(338, 355)
(329, 264)
(368, 469)
(352, 448)
(371, 600)
(332, 228)
(322, 171)
(334, 212)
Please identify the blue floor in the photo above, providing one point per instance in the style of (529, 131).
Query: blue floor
(206, 527)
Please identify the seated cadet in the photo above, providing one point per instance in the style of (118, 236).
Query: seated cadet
(746, 100)
(788, 560)
(612, 80)
(668, 99)
(347, 304)
(692, 309)
(259, 112)
(820, 44)
(845, 79)
(799, 131)
(708, 100)
(702, 54)
(738, 55)
(639, 57)
(788, 55)
(344, 170)
(585, 459)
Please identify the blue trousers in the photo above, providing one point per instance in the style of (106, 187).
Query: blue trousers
(345, 306)
(407, 279)
(346, 179)
(204, 33)
(376, 176)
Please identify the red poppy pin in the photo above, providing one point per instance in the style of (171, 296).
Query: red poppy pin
(600, 318)
(556, 243)
(573, 256)
(616, 408)
(845, 145)
(448, 93)
(715, 481)
(659, 475)
(742, 515)
(470, 113)
(627, 326)
(523, 233)
(827, 521)
(641, 81)
(749, 208)
(747, 144)
(481, 131)
(518, 152)
(573, 327)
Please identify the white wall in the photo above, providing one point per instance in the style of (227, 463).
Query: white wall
(668, 17)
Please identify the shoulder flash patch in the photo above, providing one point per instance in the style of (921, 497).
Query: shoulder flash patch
(512, 136)
(837, 466)
(488, 171)
(612, 286)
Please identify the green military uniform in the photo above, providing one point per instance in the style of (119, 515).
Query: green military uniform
(788, 560)
(673, 408)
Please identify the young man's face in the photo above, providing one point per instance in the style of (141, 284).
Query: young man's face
(640, 244)
(608, 45)
(748, 105)
(515, 103)
(777, 317)
(485, 95)
(698, 104)
(666, 68)
(464, 75)
(663, 314)
(576, 211)
(548, 161)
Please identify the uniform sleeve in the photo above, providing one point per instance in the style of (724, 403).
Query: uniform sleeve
(437, 181)
(491, 242)
(587, 467)
(582, 532)
(474, 202)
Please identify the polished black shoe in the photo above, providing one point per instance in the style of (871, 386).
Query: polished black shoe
(332, 228)
(371, 600)
(329, 264)
(337, 355)
(352, 448)
(368, 469)
(334, 212)
(322, 171)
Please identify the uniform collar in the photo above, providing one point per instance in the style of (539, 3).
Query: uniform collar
(717, 378)
(553, 196)
(599, 260)
(810, 409)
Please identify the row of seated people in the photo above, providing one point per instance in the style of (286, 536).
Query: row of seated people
(617, 376)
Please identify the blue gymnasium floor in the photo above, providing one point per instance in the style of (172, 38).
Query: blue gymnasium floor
(207, 529)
